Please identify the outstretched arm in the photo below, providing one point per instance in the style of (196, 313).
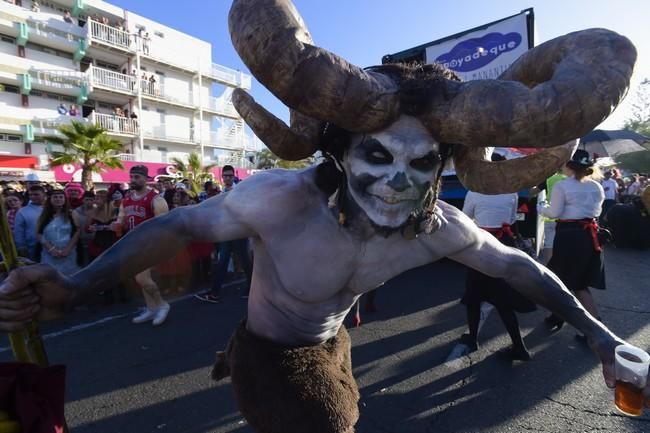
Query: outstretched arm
(214, 220)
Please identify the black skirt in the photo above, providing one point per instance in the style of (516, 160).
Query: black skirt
(482, 288)
(575, 259)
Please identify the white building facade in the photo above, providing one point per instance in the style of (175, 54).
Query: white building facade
(150, 86)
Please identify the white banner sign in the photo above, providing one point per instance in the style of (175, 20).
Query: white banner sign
(485, 53)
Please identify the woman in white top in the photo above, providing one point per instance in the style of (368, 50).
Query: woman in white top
(577, 254)
(496, 214)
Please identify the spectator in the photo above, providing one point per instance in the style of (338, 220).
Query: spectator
(74, 194)
(13, 203)
(68, 18)
(36, 7)
(74, 111)
(62, 109)
(145, 44)
(26, 222)
(152, 85)
(630, 222)
(100, 225)
(495, 214)
(140, 205)
(577, 254)
(82, 217)
(58, 234)
(222, 255)
(610, 187)
(635, 186)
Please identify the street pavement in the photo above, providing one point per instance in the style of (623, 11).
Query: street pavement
(125, 378)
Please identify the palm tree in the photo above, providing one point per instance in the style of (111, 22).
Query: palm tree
(194, 171)
(267, 159)
(89, 146)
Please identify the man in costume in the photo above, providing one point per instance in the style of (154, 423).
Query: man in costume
(324, 235)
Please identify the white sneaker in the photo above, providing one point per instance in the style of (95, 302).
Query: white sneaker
(145, 316)
(161, 314)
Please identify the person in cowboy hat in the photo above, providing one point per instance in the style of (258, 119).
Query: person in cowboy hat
(577, 253)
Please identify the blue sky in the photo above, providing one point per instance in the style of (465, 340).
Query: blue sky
(363, 31)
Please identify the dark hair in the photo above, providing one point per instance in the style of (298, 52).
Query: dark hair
(497, 157)
(37, 188)
(580, 171)
(48, 210)
(89, 194)
(228, 168)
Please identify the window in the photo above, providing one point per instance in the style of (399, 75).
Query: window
(8, 39)
(146, 147)
(36, 93)
(162, 149)
(145, 108)
(159, 34)
(10, 89)
(162, 74)
(105, 65)
(3, 137)
(39, 139)
(160, 111)
(11, 137)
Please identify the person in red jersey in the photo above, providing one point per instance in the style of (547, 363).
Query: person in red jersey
(140, 205)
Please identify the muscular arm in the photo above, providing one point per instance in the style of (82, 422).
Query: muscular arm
(214, 220)
(481, 251)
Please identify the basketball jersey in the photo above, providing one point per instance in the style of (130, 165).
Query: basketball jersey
(137, 211)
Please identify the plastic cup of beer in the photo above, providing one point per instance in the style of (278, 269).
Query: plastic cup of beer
(631, 375)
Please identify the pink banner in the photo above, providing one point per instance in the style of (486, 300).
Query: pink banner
(72, 173)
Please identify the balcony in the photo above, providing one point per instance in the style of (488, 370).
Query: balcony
(157, 91)
(116, 125)
(220, 106)
(111, 80)
(162, 132)
(109, 36)
(58, 78)
(229, 76)
(224, 140)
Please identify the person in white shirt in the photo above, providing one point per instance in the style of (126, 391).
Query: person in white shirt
(610, 187)
(577, 254)
(496, 214)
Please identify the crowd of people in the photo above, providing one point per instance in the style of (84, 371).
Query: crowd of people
(68, 228)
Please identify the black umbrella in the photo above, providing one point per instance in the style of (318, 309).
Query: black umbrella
(619, 134)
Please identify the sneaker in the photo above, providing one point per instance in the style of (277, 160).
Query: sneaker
(207, 297)
(145, 316)
(161, 314)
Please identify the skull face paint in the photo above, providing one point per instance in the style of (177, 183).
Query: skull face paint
(390, 171)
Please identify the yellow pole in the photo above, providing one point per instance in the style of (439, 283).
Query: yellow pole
(27, 346)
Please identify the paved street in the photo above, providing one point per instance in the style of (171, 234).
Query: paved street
(136, 379)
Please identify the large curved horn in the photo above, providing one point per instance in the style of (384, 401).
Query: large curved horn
(477, 173)
(575, 82)
(291, 143)
(274, 43)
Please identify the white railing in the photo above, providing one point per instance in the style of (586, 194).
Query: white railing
(116, 124)
(109, 35)
(221, 106)
(59, 78)
(111, 79)
(224, 140)
(157, 90)
(160, 132)
(127, 157)
(230, 76)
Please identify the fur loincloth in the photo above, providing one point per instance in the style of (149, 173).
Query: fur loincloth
(281, 389)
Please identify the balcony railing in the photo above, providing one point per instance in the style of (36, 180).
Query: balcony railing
(109, 35)
(221, 106)
(112, 80)
(59, 78)
(226, 141)
(230, 76)
(161, 132)
(115, 124)
(157, 90)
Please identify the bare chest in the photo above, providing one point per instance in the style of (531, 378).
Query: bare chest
(322, 259)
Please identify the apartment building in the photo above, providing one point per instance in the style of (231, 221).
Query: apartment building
(152, 87)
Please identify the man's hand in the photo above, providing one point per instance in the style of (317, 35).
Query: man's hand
(30, 292)
(605, 351)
